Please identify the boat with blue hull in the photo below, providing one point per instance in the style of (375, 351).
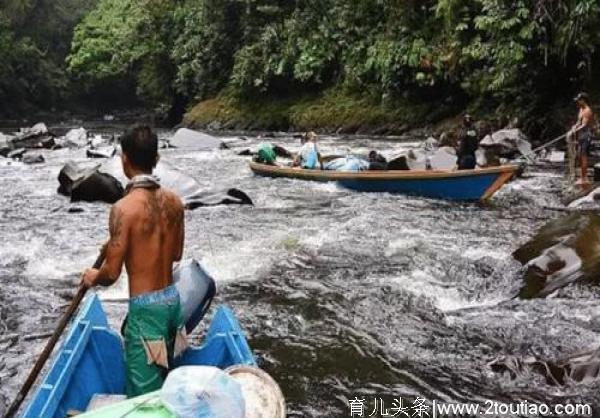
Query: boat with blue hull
(90, 361)
(466, 185)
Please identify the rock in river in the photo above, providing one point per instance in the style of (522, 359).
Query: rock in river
(563, 251)
(507, 143)
(106, 183)
(194, 140)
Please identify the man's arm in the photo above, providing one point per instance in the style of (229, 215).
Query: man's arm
(115, 252)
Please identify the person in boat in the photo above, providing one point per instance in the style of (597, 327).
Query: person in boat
(468, 144)
(266, 154)
(377, 161)
(584, 132)
(146, 234)
(308, 157)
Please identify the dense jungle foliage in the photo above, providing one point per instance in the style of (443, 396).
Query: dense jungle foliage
(513, 57)
(35, 38)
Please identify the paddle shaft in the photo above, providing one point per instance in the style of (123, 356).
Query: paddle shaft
(555, 140)
(39, 364)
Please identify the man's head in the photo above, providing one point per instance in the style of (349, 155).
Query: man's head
(582, 99)
(467, 120)
(309, 137)
(140, 151)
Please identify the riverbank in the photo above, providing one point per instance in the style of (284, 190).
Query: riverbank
(330, 111)
(334, 111)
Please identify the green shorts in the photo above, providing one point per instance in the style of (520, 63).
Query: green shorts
(154, 335)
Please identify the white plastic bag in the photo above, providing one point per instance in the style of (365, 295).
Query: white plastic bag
(202, 392)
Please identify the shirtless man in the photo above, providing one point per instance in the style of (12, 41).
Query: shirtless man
(146, 233)
(586, 123)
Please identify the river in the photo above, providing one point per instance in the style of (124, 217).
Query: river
(343, 295)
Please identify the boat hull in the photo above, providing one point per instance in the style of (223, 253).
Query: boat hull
(469, 185)
(90, 361)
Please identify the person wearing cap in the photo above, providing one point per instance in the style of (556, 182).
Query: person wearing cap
(468, 144)
(584, 131)
(308, 157)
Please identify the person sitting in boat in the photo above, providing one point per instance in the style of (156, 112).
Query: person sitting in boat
(266, 154)
(146, 234)
(377, 161)
(584, 129)
(308, 157)
(468, 144)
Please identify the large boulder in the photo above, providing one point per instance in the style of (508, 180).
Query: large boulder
(507, 143)
(443, 158)
(563, 251)
(88, 184)
(75, 138)
(193, 140)
(37, 136)
(106, 183)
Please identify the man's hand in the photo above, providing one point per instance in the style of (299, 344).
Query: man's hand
(89, 277)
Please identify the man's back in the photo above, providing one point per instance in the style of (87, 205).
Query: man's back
(154, 218)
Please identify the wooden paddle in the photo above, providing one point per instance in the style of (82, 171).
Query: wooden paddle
(39, 364)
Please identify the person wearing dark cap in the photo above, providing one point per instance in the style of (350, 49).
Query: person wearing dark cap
(584, 129)
(468, 144)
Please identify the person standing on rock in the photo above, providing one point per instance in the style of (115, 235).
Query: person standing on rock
(584, 131)
(146, 234)
(468, 144)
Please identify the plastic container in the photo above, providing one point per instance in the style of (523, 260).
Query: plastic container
(262, 394)
(202, 392)
(196, 291)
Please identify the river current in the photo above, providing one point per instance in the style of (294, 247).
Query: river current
(343, 295)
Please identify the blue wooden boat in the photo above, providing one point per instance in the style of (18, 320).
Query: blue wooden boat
(90, 360)
(477, 184)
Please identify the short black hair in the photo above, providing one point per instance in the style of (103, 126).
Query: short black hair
(583, 96)
(140, 145)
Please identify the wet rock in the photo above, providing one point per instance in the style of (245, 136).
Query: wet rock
(17, 154)
(215, 125)
(563, 251)
(35, 137)
(104, 152)
(33, 159)
(5, 145)
(246, 153)
(106, 183)
(589, 199)
(88, 184)
(443, 159)
(582, 367)
(194, 140)
(229, 197)
(75, 138)
(507, 143)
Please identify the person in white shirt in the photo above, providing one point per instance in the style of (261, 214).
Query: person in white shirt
(308, 157)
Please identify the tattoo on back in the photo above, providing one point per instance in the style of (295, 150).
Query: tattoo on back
(159, 206)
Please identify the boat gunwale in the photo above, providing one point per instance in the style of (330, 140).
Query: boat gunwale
(385, 175)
